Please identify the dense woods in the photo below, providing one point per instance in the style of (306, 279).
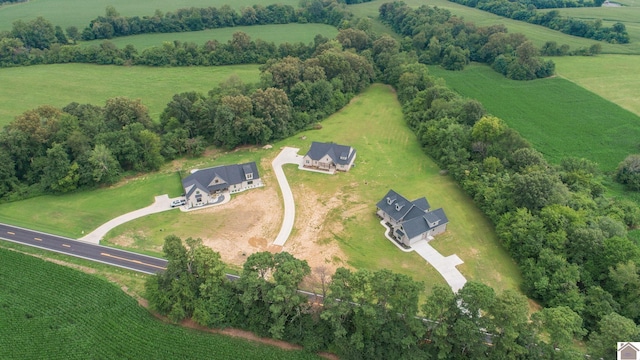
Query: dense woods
(526, 11)
(569, 240)
(363, 315)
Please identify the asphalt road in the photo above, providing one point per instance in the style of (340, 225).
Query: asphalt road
(103, 254)
(111, 256)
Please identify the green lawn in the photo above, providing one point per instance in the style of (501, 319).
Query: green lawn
(614, 77)
(76, 214)
(50, 311)
(79, 12)
(279, 34)
(27, 87)
(558, 117)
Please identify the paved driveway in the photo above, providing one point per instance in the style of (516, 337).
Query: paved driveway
(161, 203)
(288, 155)
(446, 266)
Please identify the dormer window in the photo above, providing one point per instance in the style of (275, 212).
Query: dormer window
(398, 207)
(390, 200)
(249, 176)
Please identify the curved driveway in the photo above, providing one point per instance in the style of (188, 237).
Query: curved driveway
(288, 155)
(161, 203)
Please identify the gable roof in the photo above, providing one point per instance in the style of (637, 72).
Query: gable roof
(340, 154)
(228, 175)
(436, 217)
(418, 225)
(401, 209)
(394, 204)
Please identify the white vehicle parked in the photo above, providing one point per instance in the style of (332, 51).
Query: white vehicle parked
(178, 202)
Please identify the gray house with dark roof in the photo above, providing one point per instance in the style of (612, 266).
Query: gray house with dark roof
(204, 186)
(329, 157)
(411, 221)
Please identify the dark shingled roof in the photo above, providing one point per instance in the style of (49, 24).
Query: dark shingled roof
(340, 154)
(424, 223)
(436, 217)
(414, 216)
(228, 174)
(401, 209)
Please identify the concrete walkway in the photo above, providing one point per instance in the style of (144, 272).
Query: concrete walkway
(161, 203)
(446, 266)
(288, 155)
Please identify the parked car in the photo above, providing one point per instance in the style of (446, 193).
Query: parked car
(178, 202)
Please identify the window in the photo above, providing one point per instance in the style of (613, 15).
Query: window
(249, 176)
(250, 182)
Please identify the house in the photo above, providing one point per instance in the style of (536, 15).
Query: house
(205, 186)
(329, 157)
(628, 352)
(410, 221)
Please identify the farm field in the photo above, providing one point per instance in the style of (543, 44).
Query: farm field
(537, 34)
(335, 221)
(61, 84)
(58, 11)
(279, 34)
(561, 119)
(628, 15)
(614, 77)
(82, 316)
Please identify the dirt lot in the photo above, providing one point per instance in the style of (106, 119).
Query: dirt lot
(253, 219)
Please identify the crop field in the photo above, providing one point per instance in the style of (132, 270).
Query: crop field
(50, 311)
(79, 12)
(279, 34)
(561, 119)
(614, 77)
(60, 84)
(537, 34)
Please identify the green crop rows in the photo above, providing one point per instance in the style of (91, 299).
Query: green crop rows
(48, 311)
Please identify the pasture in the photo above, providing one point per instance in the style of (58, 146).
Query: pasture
(388, 157)
(628, 15)
(61, 84)
(51, 311)
(537, 34)
(560, 119)
(80, 12)
(279, 34)
(614, 77)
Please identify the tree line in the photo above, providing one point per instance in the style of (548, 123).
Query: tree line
(569, 239)
(440, 38)
(525, 11)
(361, 314)
(81, 145)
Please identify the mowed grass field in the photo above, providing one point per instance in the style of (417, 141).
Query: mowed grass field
(560, 119)
(80, 12)
(51, 311)
(25, 88)
(390, 157)
(279, 34)
(537, 34)
(614, 77)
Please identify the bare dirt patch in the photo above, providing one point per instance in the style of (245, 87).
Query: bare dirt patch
(252, 220)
